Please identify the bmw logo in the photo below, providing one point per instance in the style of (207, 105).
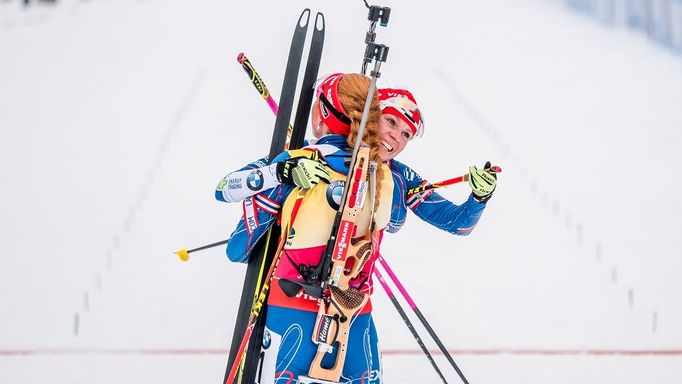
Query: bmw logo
(335, 193)
(255, 180)
(267, 339)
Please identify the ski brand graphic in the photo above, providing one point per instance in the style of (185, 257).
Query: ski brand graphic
(334, 193)
(255, 180)
(259, 87)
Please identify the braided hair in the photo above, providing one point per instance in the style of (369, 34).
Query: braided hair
(353, 89)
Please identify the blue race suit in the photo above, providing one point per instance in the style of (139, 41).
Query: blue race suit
(261, 202)
(287, 346)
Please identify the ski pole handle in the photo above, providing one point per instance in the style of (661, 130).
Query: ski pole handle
(262, 89)
(258, 82)
(445, 183)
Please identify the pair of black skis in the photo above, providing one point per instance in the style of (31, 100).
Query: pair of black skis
(263, 253)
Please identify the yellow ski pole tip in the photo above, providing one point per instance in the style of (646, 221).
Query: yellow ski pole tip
(183, 255)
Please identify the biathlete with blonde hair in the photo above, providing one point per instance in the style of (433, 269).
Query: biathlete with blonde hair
(262, 187)
(401, 121)
(269, 192)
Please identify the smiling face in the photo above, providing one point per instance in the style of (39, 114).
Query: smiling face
(395, 134)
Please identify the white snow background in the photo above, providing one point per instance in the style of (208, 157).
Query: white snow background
(118, 118)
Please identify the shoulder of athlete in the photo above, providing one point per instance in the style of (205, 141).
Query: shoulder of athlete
(405, 173)
(332, 149)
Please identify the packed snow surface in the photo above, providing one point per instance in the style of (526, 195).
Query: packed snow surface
(118, 118)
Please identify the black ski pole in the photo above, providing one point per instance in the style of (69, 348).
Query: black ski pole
(421, 317)
(408, 323)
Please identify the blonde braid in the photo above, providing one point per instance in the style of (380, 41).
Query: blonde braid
(353, 89)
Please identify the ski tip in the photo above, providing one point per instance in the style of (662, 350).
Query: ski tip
(183, 255)
(241, 57)
(319, 22)
(496, 169)
(304, 18)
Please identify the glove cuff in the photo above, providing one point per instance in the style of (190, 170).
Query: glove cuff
(482, 199)
(284, 170)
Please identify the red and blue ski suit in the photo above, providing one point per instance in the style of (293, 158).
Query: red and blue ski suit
(290, 321)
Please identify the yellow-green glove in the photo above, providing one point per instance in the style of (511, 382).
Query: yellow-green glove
(482, 182)
(302, 172)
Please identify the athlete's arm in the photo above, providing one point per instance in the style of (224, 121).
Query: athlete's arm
(254, 178)
(430, 206)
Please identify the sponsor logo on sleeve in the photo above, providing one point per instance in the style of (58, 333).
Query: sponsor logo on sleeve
(234, 183)
(222, 184)
(255, 180)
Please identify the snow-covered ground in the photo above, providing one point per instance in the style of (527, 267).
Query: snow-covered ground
(117, 119)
